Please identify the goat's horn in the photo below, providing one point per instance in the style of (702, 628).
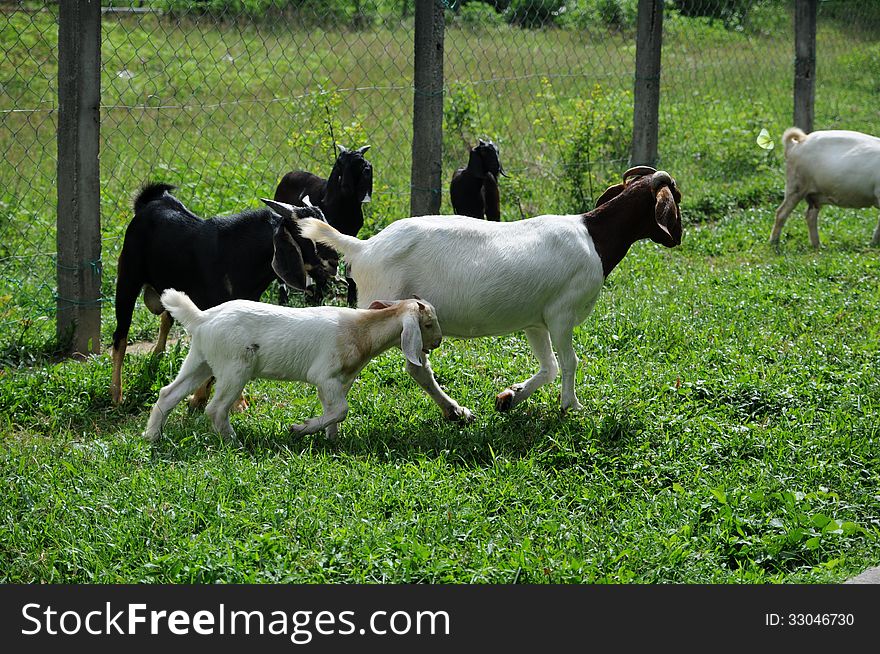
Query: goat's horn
(281, 208)
(660, 178)
(362, 149)
(342, 148)
(638, 171)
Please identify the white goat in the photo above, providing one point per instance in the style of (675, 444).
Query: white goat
(541, 275)
(836, 167)
(326, 346)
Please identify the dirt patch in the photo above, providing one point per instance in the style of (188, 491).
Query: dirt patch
(146, 347)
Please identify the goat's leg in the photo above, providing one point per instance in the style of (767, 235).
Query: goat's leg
(875, 240)
(226, 392)
(568, 361)
(812, 217)
(127, 291)
(165, 323)
(193, 372)
(539, 340)
(424, 377)
(116, 380)
(782, 213)
(332, 394)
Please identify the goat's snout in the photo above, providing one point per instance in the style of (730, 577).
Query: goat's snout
(431, 334)
(433, 345)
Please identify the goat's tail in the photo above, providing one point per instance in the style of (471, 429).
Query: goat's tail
(321, 232)
(182, 308)
(150, 192)
(791, 136)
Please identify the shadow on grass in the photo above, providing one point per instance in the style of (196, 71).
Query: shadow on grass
(539, 434)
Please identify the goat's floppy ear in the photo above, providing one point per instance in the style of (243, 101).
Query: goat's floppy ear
(281, 208)
(411, 339)
(365, 183)
(668, 218)
(493, 159)
(610, 193)
(287, 262)
(379, 304)
(489, 159)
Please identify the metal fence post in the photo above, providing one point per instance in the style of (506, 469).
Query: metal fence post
(804, 63)
(427, 144)
(78, 322)
(646, 92)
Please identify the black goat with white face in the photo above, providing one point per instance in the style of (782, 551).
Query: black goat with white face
(213, 260)
(339, 196)
(474, 189)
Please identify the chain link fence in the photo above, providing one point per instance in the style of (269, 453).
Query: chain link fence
(222, 97)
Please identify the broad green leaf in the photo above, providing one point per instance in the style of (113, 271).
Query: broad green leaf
(820, 520)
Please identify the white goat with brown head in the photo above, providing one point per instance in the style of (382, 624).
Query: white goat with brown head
(541, 275)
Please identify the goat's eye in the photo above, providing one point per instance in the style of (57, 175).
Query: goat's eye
(428, 325)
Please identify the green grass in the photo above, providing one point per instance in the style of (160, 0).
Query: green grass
(731, 391)
(729, 435)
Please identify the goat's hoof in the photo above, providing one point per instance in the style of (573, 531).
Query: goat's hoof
(505, 400)
(301, 429)
(459, 414)
(152, 437)
(575, 407)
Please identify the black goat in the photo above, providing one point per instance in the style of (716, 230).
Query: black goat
(214, 260)
(474, 189)
(340, 197)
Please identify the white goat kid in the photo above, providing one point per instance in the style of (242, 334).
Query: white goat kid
(541, 275)
(836, 167)
(326, 346)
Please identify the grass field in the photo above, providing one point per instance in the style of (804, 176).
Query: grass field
(731, 391)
